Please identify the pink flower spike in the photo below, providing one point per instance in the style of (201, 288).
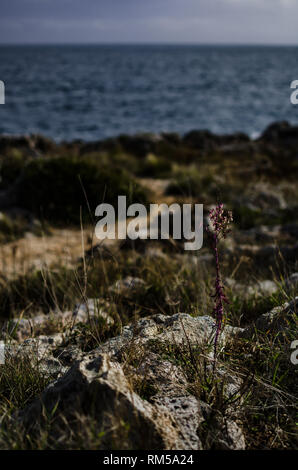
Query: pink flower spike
(220, 223)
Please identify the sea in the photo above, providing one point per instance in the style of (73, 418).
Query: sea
(99, 91)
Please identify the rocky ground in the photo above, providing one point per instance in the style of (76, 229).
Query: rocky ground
(110, 345)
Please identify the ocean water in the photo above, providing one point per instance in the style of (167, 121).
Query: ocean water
(93, 92)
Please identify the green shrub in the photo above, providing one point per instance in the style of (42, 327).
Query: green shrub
(21, 380)
(246, 218)
(11, 229)
(10, 168)
(155, 167)
(56, 188)
(190, 183)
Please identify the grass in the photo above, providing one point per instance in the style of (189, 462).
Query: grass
(268, 409)
(189, 182)
(265, 405)
(247, 218)
(40, 290)
(21, 380)
(169, 287)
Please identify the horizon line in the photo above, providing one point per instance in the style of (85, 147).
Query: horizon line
(142, 44)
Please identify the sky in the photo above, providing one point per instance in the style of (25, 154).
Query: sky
(149, 21)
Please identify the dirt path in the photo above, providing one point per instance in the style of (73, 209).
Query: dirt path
(62, 247)
(32, 252)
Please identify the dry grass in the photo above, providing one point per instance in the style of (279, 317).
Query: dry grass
(52, 271)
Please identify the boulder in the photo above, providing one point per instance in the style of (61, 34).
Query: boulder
(128, 286)
(263, 198)
(95, 385)
(90, 309)
(292, 281)
(99, 387)
(187, 414)
(140, 144)
(279, 321)
(39, 346)
(179, 329)
(261, 288)
(40, 352)
(190, 413)
(223, 434)
(280, 132)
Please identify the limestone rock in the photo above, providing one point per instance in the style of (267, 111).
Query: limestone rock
(178, 329)
(99, 386)
(292, 281)
(23, 328)
(128, 286)
(91, 308)
(187, 414)
(278, 320)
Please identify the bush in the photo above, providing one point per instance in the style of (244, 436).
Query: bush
(56, 188)
(155, 167)
(247, 218)
(190, 183)
(11, 229)
(10, 168)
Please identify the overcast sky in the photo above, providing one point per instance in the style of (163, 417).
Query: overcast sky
(141, 21)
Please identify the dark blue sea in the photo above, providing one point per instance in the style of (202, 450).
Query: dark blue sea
(92, 92)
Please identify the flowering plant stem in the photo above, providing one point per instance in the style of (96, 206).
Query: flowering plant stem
(220, 221)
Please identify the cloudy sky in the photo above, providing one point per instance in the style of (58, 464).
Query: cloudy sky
(141, 21)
